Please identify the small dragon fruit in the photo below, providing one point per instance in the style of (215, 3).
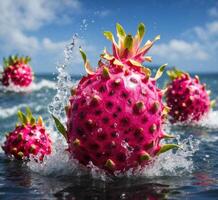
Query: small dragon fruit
(115, 115)
(187, 99)
(17, 72)
(29, 139)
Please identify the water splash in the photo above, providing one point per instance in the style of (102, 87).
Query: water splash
(168, 164)
(209, 121)
(64, 83)
(60, 163)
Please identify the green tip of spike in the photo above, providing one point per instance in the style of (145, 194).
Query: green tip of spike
(128, 42)
(167, 136)
(175, 73)
(141, 30)
(26, 119)
(20, 154)
(15, 59)
(110, 164)
(60, 126)
(167, 147)
(145, 156)
(108, 35)
(213, 104)
(83, 55)
(76, 142)
(32, 148)
(105, 72)
(160, 71)
(120, 31)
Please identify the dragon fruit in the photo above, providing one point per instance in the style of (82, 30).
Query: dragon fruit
(17, 72)
(115, 114)
(186, 97)
(29, 139)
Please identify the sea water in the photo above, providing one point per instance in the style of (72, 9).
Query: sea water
(190, 172)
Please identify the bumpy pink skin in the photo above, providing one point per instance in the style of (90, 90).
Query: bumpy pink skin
(188, 99)
(30, 140)
(19, 75)
(112, 127)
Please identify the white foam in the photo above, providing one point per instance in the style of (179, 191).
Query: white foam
(7, 112)
(209, 121)
(33, 87)
(171, 163)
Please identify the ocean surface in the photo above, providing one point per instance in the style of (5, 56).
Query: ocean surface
(189, 173)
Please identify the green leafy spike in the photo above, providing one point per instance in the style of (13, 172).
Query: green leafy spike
(105, 72)
(120, 31)
(88, 67)
(22, 118)
(27, 59)
(30, 117)
(167, 147)
(167, 136)
(156, 38)
(32, 121)
(83, 55)
(60, 126)
(141, 30)
(213, 103)
(128, 42)
(108, 35)
(28, 113)
(160, 71)
(174, 73)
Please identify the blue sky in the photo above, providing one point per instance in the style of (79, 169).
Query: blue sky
(41, 29)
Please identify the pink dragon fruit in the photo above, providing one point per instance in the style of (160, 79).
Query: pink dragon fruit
(186, 97)
(17, 71)
(115, 115)
(29, 139)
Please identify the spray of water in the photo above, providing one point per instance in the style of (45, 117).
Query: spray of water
(60, 163)
(208, 121)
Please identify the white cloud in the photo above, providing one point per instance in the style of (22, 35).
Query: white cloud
(19, 20)
(53, 46)
(206, 33)
(102, 13)
(180, 49)
(197, 49)
(213, 12)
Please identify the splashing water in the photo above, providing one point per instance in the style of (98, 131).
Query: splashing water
(64, 83)
(168, 164)
(59, 163)
(209, 121)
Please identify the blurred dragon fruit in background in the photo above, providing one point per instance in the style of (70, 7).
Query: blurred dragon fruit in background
(16, 71)
(186, 97)
(28, 139)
